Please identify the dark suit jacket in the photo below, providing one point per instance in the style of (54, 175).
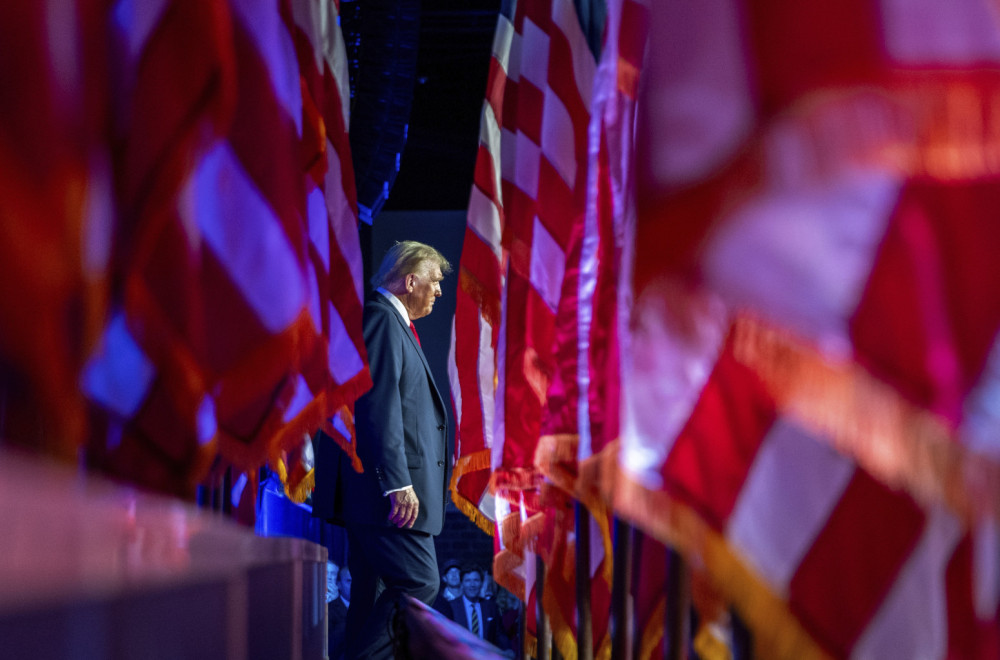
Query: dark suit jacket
(489, 621)
(337, 612)
(402, 427)
(442, 604)
(328, 496)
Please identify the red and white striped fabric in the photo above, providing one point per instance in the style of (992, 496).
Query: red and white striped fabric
(55, 221)
(529, 193)
(609, 202)
(824, 170)
(832, 167)
(258, 392)
(528, 201)
(334, 372)
(580, 424)
(476, 325)
(154, 420)
(230, 314)
(820, 558)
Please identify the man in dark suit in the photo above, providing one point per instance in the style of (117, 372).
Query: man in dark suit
(479, 616)
(395, 508)
(337, 613)
(451, 576)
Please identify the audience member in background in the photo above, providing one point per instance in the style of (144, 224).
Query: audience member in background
(488, 590)
(337, 612)
(509, 635)
(331, 581)
(451, 577)
(479, 616)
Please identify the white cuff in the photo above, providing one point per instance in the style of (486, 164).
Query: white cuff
(395, 490)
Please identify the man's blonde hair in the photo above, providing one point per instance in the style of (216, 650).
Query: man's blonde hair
(404, 258)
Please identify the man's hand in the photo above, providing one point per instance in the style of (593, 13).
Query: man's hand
(403, 507)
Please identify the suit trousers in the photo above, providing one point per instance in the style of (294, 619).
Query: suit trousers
(386, 564)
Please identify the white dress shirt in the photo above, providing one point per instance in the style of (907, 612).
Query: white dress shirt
(469, 605)
(396, 302)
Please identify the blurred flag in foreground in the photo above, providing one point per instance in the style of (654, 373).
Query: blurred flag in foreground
(182, 231)
(810, 368)
(526, 207)
(830, 169)
(56, 217)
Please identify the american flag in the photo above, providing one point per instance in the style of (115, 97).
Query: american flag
(334, 369)
(819, 557)
(211, 251)
(143, 382)
(811, 348)
(580, 425)
(229, 336)
(825, 199)
(476, 326)
(55, 195)
(529, 196)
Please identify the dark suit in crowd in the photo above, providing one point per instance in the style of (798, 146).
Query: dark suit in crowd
(489, 617)
(337, 612)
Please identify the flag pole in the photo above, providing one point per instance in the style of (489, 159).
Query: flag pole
(621, 619)
(637, 541)
(541, 618)
(584, 623)
(227, 491)
(678, 606)
(524, 632)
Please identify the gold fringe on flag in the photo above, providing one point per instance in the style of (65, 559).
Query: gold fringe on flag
(938, 125)
(516, 537)
(556, 458)
(505, 565)
(474, 462)
(709, 645)
(303, 487)
(901, 444)
(296, 486)
(587, 480)
(628, 78)
(346, 444)
(559, 595)
(652, 632)
(530, 644)
(275, 436)
(561, 578)
(562, 633)
(777, 634)
(510, 482)
(487, 301)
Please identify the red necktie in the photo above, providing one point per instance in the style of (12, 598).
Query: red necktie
(413, 328)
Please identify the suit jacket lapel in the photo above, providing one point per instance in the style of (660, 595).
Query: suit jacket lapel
(416, 346)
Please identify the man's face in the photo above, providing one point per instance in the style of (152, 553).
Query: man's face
(422, 287)
(331, 578)
(471, 584)
(453, 577)
(344, 583)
